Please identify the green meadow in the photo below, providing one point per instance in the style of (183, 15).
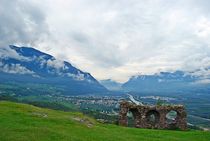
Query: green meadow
(22, 122)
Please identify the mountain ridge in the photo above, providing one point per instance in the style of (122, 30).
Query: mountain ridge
(165, 82)
(30, 65)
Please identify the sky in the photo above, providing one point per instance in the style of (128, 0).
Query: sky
(113, 39)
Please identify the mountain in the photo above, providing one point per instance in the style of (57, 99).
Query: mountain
(28, 65)
(178, 81)
(111, 84)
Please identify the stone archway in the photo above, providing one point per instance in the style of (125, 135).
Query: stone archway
(171, 117)
(153, 117)
(136, 116)
(146, 116)
(131, 119)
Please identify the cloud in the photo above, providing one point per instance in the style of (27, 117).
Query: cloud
(202, 73)
(79, 76)
(114, 39)
(57, 64)
(22, 22)
(7, 52)
(14, 69)
(203, 81)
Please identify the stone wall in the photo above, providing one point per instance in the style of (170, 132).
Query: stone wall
(153, 116)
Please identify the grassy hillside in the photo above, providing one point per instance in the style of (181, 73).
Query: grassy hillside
(21, 122)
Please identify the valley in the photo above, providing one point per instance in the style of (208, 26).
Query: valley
(105, 106)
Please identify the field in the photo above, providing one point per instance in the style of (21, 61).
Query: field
(21, 122)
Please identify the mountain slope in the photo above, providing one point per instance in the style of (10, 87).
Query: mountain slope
(21, 122)
(28, 65)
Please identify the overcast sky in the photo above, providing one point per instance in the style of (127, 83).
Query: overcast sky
(113, 38)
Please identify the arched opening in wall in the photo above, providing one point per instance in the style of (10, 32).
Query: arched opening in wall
(131, 120)
(171, 117)
(153, 117)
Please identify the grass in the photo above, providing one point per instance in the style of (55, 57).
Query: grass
(22, 122)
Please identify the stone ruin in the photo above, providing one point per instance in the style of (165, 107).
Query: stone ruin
(154, 117)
